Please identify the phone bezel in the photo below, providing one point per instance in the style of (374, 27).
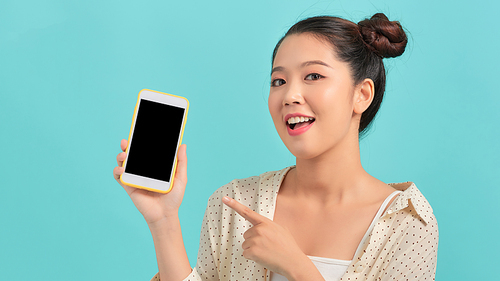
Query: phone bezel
(142, 182)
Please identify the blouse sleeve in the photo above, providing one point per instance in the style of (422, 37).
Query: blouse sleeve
(208, 255)
(415, 256)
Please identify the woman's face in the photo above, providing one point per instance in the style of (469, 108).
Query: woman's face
(311, 96)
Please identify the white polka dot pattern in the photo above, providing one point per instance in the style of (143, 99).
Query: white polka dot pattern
(402, 245)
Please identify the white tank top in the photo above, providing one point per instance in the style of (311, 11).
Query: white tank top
(333, 269)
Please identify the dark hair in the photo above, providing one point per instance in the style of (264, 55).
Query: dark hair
(362, 46)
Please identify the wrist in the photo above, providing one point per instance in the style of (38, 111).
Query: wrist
(166, 223)
(304, 270)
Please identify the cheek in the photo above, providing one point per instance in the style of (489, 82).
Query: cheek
(274, 105)
(334, 106)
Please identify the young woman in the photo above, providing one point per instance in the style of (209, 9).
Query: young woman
(325, 218)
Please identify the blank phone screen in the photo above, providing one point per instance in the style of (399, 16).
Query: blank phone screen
(154, 140)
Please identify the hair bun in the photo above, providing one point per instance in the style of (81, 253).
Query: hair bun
(384, 37)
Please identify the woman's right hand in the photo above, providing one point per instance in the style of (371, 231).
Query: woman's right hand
(161, 213)
(154, 206)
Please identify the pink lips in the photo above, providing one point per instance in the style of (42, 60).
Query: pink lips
(300, 130)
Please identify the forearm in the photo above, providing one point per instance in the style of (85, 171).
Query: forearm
(171, 256)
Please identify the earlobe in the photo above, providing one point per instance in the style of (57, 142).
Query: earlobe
(363, 96)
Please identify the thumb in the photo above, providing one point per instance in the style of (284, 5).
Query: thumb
(181, 172)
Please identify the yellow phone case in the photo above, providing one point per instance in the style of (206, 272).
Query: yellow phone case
(180, 142)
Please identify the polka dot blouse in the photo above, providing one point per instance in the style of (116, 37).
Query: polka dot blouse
(402, 246)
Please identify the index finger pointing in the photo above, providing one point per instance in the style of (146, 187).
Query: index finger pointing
(244, 211)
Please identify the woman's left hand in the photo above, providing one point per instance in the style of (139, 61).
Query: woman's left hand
(272, 245)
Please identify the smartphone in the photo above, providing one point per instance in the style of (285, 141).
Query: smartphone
(155, 136)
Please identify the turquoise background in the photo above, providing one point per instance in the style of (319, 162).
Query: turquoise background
(70, 72)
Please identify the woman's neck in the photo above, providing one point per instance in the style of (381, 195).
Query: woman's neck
(333, 177)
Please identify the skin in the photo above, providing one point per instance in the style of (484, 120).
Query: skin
(161, 212)
(327, 197)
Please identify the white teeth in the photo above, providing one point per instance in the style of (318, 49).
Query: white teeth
(295, 120)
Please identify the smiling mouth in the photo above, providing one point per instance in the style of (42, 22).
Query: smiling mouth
(295, 123)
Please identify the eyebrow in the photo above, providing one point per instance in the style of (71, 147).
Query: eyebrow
(307, 63)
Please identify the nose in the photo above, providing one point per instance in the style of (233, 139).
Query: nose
(293, 95)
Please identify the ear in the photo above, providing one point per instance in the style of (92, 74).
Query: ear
(363, 96)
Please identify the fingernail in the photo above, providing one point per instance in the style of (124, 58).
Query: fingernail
(226, 199)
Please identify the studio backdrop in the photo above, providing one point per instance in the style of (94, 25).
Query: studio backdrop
(70, 72)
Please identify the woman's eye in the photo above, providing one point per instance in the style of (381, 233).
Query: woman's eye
(314, 76)
(277, 82)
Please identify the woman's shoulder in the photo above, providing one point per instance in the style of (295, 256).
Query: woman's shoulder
(252, 191)
(252, 185)
(412, 202)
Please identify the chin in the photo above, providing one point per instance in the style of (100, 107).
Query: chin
(302, 151)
